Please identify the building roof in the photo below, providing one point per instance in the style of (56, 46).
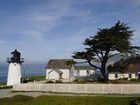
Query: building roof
(59, 64)
(56, 70)
(132, 68)
(84, 68)
(15, 52)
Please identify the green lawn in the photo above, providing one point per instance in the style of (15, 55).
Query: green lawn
(33, 78)
(68, 100)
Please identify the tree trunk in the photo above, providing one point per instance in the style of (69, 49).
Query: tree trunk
(103, 70)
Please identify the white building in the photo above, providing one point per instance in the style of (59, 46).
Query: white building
(118, 75)
(132, 71)
(84, 72)
(60, 69)
(14, 71)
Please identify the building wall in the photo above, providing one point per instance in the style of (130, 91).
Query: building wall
(69, 75)
(84, 73)
(14, 74)
(55, 76)
(66, 74)
(112, 76)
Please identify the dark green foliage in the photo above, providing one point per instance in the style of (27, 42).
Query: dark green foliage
(134, 102)
(16, 100)
(5, 87)
(69, 100)
(106, 43)
(123, 81)
(123, 63)
(50, 81)
(58, 81)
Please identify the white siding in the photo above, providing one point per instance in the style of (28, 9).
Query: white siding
(14, 74)
(47, 71)
(134, 76)
(112, 76)
(123, 75)
(55, 76)
(65, 74)
(82, 72)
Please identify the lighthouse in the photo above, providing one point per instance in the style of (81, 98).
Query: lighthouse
(14, 70)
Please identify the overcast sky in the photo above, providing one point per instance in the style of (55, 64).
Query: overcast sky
(45, 29)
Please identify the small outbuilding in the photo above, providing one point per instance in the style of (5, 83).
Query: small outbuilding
(84, 72)
(125, 69)
(60, 69)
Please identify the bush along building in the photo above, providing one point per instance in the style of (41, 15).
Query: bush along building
(125, 69)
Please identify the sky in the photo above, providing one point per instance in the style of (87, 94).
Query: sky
(54, 29)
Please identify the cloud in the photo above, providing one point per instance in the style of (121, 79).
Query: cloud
(40, 18)
(135, 3)
(136, 37)
(49, 28)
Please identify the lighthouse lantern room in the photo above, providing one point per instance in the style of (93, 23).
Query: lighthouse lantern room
(14, 71)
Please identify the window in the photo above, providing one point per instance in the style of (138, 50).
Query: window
(130, 76)
(60, 75)
(87, 72)
(116, 75)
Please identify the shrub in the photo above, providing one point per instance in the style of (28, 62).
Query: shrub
(125, 78)
(101, 79)
(135, 80)
(135, 102)
(58, 81)
(115, 81)
(5, 87)
(50, 81)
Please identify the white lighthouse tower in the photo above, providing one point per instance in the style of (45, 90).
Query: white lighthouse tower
(14, 71)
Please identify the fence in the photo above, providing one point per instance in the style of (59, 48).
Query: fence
(81, 88)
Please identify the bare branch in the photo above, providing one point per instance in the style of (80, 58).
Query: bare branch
(114, 55)
(89, 61)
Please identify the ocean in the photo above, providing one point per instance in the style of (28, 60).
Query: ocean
(27, 70)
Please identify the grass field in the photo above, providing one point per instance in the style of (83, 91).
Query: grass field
(68, 100)
(33, 78)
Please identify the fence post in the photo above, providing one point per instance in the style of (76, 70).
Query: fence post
(69, 88)
(103, 88)
(85, 88)
(53, 88)
(121, 89)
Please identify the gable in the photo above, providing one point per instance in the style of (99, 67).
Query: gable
(57, 71)
(59, 64)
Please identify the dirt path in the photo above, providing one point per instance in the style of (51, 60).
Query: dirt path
(10, 93)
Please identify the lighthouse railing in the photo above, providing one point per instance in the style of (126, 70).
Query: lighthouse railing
(20, 60)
